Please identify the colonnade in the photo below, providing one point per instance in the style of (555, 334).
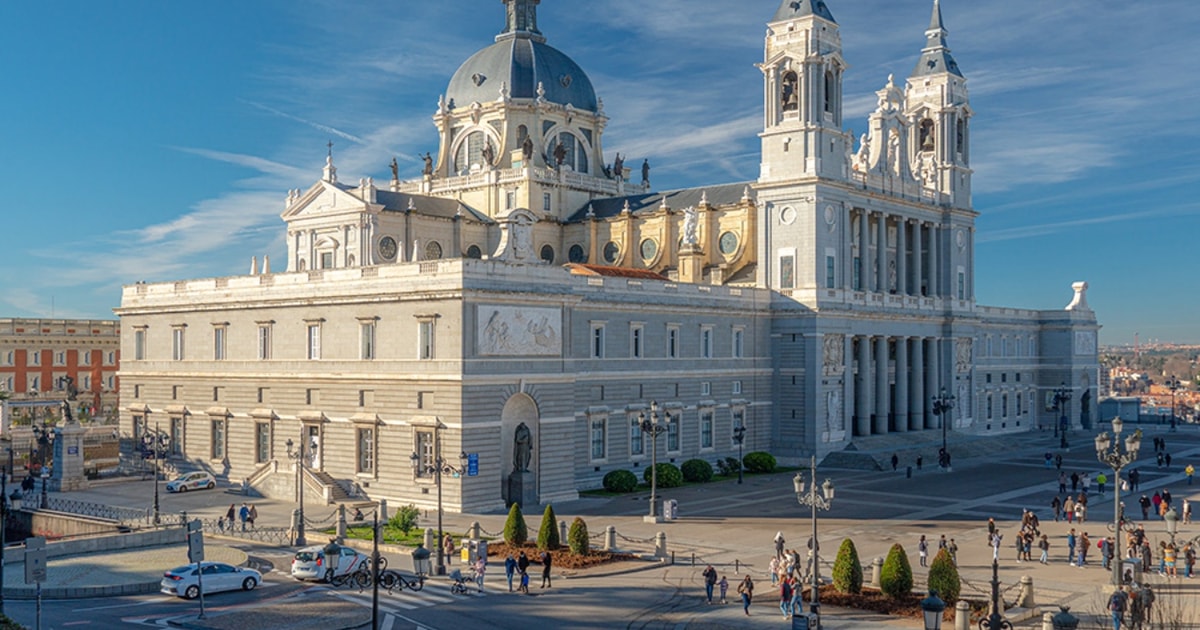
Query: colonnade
(882, 404)
(911, 267)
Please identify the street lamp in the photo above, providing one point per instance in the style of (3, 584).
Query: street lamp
(823, 501)
(932, 607)
(943, 404)
(1173, 385)
(739, 436)
(1108, 451)
(651, 426)
(44, 436)
(995, 619)
(298, 456)
(1062, 396)
(158, 442)
(438, 468)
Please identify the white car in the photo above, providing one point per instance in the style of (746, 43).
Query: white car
(311, 563)
(192, 481)
(185, 581)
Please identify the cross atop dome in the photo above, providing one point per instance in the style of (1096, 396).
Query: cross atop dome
(521, 20)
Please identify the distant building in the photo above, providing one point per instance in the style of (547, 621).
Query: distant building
(38, 356)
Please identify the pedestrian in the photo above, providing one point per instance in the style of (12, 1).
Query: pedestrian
(1084, 541)
(525, 581)
(923, 549)
(253, 516)
(746, 590)
(480, 567)
(996, 538)
(1144, 503)
(1166, 496)
(1104, 552)
(221, 523)
(1071, 542)
(231, 515)
(1080, 511)
(1156, 501)
(448, 547)
(1020, 544)
(942, 542)
(1101, 479)
(710, 580)
(1158, 459)
(1058, 464)
(244, 514)
(1169, 553)
(724, 584)
(1189, 471)
(1189, 558)
(510, 569)
(779, 546)
(1069, 509)
(1044, 546)
(952, 547)
(1187, 511)
(1135, 479)
(1116, 605)
(523, 563)
(1049, 459)
(1074, 482)
(785, 598)
(1085, 483)
(991, 530)
(773, 569)
(919, 460)
(1056, 505)
(546, 562)
(1167, 459)
(895, 461)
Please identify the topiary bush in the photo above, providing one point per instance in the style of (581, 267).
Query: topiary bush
(847, 570)
(697, 471)
(729, 466)
(548, 532)
(669, 475)
(620, 481)
(759, 462)
(515, 531)
(405, 519)
(577, 537)
(943, 578)
(896, 580)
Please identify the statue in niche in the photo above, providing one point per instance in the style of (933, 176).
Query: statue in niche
(488, 154)
(834, 410)
(893, 155)
(522, 448)
(560, 154)
(892, 286)
(691, 224)
(428, 159)
(527, 148)
(1085, 409)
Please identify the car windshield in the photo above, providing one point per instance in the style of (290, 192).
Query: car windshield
(304, 556)
(182, 570)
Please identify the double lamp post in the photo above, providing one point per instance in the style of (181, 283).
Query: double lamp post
(1062, 404)
(651, 426)
(806, 494)
(157, 443)
(438, 467)
(1108, 451)
(943, 404)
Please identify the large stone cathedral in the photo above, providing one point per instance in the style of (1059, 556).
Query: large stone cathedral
(514, 316)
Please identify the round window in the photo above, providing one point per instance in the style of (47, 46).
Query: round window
(387, 248)
(474, 252)
(576, 254)
(729, 243)
(548, 254)
(433, 251)
(649, 249)
(611, 251)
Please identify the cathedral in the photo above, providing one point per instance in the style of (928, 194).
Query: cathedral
(501, 329)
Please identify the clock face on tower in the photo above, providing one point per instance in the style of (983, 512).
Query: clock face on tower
(387, 248)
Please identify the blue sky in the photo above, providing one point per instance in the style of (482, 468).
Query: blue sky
(156, 140)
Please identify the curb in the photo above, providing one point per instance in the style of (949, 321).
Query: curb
(83, 592)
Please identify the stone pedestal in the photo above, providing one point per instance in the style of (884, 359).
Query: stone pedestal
(68, 458)
(691, 264)
(522, 489)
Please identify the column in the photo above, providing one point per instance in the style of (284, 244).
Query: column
(862, 388)
(881, 385)
(917, 253)
(935, 272)
(916, 401)
(931, 381)
(881, 278)
(901, 257)
(902, 383)
(848, 392)
(864, 247)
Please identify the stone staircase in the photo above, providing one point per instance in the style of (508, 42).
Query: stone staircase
(875, 452)
(333, 491)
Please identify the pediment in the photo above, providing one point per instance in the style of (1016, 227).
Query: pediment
(325, 198)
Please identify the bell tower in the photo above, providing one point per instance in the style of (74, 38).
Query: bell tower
(939, 108)
(802, 78)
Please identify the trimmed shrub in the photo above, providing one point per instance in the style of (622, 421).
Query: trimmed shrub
(515, 531)
(759, 462)
(577, 537)
(548, 532)
(405, 519)
(896, 580)
(847, 570)
(669, 475)
(697, 471)
(729, 466)
(943, 577)
(620, 481)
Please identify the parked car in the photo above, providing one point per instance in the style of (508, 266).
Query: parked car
(192, 481)
(217, 576)
(324, 563)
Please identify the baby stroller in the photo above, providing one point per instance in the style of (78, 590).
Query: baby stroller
(460, 581)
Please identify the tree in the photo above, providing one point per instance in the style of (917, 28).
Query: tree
(577, 537)
(405, 519)
(943, 577)
(847, 570)
(548, 532)
(896, 579)
(515, 531)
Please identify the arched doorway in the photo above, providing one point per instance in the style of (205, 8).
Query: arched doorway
(519, 481)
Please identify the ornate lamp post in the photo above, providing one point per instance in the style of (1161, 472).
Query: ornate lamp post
(1173, 385)
(932, 608)
(297, 454)
(943, 404)
(158, 442)
(1108, 451)
(44, 436)
(739, 436)
(651, 426)
(816, 501)
(439, 467)
(1062, 398)
(995, 619)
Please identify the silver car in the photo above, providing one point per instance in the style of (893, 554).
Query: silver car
(185, 581)
(312, 563)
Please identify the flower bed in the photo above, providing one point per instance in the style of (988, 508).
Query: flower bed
(562, 556)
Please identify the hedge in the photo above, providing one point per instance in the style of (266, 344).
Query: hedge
(943, 577)
(577, 537)
(759, 462)
(620, 481)
(697, 471)
(669, 475)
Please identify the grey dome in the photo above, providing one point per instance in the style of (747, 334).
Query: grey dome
(522, 62)
(792, 9)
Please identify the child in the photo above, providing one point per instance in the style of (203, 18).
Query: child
(525, 582)
(724, 584)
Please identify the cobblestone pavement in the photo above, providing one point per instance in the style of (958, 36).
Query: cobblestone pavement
(116, 571)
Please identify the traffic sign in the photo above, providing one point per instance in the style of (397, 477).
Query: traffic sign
(473, 465)
(35, 560)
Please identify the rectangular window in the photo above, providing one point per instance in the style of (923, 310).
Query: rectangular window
(673, 431)
(706, 428)
(110, 358)
(989, 407)
(139, 345)
(787, 272)
(262, 394)
(219, 343)
(85, 356)
(635, 340)
(35, 357)
(262, 442)
(264, 342)
(546, 203)
(1004, 406)
(962, 285)
(218, 439)
(366, 451)
(35, 384)
(327, 260)
(216, 394)
(176, 436)
(857, 277)
(597, 341)
(672, 342)
(314, 342)
(599, 437)
(424, 400)
(177, 344)
(424, 442)
(636, 446)
(830, 272)
(739, 336)
(706, 342)
(425, 332)
(367, 341)
(1018, 404)
(510, 200)
(705, 388)
(737, 387)
(60, 358)
(87, 382)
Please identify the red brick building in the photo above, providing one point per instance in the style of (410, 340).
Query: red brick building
(37, 356)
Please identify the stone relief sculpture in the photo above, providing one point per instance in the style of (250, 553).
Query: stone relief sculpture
(1085, 342)
(835, 418)
(963, 355)
(834, 353)
(522, 448)
(691, 224)
(863, 158)
(516, 331)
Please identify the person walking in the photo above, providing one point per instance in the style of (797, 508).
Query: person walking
(923, 550)
(1116, 606)
(547, 559)
(991, 530)
(523, 563)
(1189, 559)
(1084, 541)
(724, 584)
(1080, 511)
(244, 515)
(510, 570)
(1071, 542)
(710, 580)
(231, 515)
(252, 516)
(942, 542)
(952, 548)
(797, 596)
(1101, 479)
(1056, 505)
(1189, 471)
(524, 582)
(1044, 546)
(480, 567)
(448, 547)
(996, 541)
(785, 597)
(1074, 482)
(1169, 553)
(895, 461)
(1187, 511)
(1144, 503)
(778, 546)
(1069, 509)
(1167, 459)
(773, 569)
(746, 590)
(919, 460)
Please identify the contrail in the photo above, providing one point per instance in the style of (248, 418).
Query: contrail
(314, 125)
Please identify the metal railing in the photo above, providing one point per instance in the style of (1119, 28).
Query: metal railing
(125, 516)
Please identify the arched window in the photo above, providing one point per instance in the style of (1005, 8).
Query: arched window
(548, 254)
(574, 152)
(474, 252)
(789, 97)
(926, 135)
(960, 136)
(470, 152)
(830, 90)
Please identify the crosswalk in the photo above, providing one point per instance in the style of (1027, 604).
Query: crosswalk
(433, 594)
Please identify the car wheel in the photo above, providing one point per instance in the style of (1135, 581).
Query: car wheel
(183, 488)
(210, 485)
(248, 584)
(192, 592)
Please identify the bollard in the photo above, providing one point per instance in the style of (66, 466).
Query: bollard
(341, 524)
(1047, 621)
(909, 475)
(693, 558)
(660, 545)
(1025, 595)
(737, 566)
(562, 532)
(429, 538)
(476, 531)
(876, 572)
(383, 517)
(610, 538)
(962, 616)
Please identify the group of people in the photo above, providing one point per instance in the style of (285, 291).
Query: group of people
(1073, 509)
(247, 514)
(518, 568)
(950, 546)
(1133, 604)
